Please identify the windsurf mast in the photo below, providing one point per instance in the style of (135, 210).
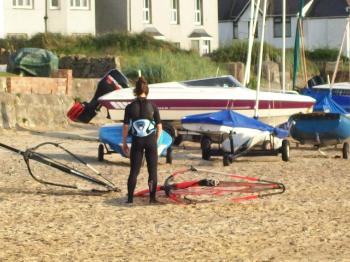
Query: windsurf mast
(256, 108)
(252, 28)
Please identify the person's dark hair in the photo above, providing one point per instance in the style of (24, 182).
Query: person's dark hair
(141, 87)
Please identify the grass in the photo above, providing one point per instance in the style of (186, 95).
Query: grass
(158, 60)
(161, 61)
(5, 74)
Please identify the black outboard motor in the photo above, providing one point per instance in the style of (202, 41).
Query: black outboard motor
(84, 112)
(315, 81)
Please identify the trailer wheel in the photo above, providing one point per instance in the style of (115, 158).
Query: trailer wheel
(346, 150)
(101, 152)
(285, 150)
(205, 146)
(169, 155)
(226, 160)
(178, 140)
(170, 130)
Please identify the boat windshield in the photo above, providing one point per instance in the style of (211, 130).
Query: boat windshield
(223, 81)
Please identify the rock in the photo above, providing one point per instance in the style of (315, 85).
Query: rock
(84, 67)
(237, 70)
(271, 71)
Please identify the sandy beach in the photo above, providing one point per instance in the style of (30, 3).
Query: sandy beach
(309, 222)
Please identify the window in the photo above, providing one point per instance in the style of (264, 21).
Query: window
(54, 4)
(206, 47)
(177, 44)
(79, 4)
(277, 27)
(198, 12)
(235, 30)
(256, 34)
(147, 15)
(22, 3)
(174, 12)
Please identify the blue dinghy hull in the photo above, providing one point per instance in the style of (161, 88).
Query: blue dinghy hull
(318, 128)
(112, 135)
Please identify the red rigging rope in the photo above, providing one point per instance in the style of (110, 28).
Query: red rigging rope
(181, 192)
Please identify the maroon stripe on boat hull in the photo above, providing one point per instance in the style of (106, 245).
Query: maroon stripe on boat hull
(217, 104)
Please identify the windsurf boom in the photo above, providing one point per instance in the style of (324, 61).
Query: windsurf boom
(228, 187)
(73, 178)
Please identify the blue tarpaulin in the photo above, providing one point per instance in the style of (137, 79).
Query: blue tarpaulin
(328, 105)
(232, 119)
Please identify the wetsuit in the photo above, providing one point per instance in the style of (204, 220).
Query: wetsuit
(142, 117)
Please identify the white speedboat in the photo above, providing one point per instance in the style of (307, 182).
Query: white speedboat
(178, 99)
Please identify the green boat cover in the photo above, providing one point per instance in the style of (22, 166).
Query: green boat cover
(33, 62)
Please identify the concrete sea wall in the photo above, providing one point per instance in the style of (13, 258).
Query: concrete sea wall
(33, 110)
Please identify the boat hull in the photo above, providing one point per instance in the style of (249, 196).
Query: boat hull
(177, 102)
(340, 93)
(321, 129)
(272, 116)
(246, 138)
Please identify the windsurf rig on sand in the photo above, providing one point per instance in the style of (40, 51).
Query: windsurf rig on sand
(74, 172)
(211, 186)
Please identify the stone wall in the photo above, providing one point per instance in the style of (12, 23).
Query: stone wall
(4, 56)
(33, 110)
(89, 67)
(61, 84)
(343, 73)
(84, 89)
(44, 110)
(237, 70)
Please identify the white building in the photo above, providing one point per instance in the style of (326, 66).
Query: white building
(28, 17)
(190, 24)
(324, 22)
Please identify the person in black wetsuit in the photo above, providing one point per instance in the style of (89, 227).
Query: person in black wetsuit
(142, 121)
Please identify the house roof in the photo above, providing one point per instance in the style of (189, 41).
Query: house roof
(199, 33)
(327, 8)
(152, 31)
(292, 7)
(233, 9)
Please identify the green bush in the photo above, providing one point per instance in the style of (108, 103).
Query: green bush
(158, 60)
(237, 52)
(166, 66)
(322, 54)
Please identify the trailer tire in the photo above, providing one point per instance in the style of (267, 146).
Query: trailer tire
(100, 153)
(170, 130)
(178, 140)
(206, 147)
(346, 150)
(226, 160)
(169, 155)
(285, 150)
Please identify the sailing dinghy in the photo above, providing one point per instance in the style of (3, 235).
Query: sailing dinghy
(237, 135)
(327, 125)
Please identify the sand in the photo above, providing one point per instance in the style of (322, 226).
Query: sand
(309, 222)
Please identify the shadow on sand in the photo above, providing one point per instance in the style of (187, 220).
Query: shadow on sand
(63, 192)
(138, 202)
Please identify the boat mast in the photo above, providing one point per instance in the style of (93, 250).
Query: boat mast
(339, 56)
(261, 50)
(252, 28)
(297, 44)
(284, 46)
(348, 40)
